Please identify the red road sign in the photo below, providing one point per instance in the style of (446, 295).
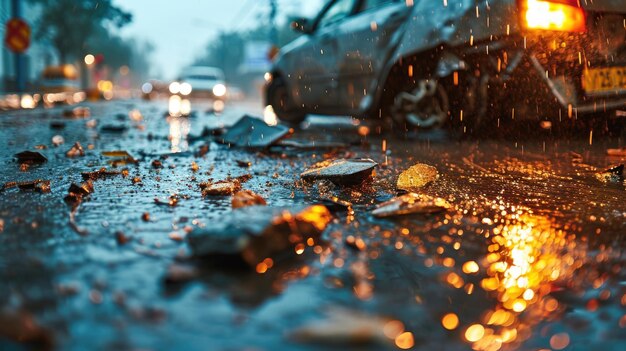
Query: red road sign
(17, 35)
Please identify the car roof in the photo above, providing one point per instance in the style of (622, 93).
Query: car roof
(203, 71)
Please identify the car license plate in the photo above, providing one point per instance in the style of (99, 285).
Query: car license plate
(604, 80)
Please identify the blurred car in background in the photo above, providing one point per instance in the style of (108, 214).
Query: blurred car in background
(60, 85)
(59, 79)
(200, 81)
(466, 63)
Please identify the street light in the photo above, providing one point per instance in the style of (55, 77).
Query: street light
(90, 59)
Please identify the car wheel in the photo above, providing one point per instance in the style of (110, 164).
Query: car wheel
(279, 98)
(424, 105)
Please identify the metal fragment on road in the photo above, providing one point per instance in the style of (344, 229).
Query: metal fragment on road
(30, 157)
(612, 175)
(411, 203)
(417, 177)
(76, 150)
(343, 171)
(253, 133)
(258, 232)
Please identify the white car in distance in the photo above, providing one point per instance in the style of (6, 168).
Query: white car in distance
(200, 81)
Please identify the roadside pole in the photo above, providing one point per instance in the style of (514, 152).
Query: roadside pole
(20, 83)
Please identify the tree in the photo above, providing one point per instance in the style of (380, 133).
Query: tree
(69, 24)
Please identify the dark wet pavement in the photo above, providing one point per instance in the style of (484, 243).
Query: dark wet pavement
(531, 255)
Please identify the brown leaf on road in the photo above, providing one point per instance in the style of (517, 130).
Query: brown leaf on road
(247, 198)
(417, 177)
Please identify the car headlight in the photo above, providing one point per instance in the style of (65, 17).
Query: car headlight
(185, 89)
(174, 88)
(219, 90)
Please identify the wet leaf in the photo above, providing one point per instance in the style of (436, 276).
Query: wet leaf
(411, 203)
(247, 198)
(343, 171)
(417, 177)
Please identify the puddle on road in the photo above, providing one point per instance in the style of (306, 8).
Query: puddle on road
(529, 257)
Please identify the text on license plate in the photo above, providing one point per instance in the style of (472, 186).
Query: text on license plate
(604, 80)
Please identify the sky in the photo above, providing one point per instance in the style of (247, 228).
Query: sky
(180, 29)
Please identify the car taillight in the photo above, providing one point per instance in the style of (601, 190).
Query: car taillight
(557, 15)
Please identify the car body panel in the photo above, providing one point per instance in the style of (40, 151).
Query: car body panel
(350, 76)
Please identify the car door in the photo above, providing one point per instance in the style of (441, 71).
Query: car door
(364, 41)
(316, 74)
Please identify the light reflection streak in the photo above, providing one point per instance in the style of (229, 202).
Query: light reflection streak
(179, 130)
(528, 254)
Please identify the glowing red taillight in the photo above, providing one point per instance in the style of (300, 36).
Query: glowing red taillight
(557, 15)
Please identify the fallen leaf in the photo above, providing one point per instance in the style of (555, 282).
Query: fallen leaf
(416, 177)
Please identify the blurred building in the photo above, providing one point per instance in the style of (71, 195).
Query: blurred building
(39, 55)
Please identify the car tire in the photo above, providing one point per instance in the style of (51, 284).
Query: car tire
(422, 105)
(281, 101)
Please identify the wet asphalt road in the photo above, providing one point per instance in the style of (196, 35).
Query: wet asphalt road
(531, 256)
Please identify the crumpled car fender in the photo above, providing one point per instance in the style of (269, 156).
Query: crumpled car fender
(448, 24)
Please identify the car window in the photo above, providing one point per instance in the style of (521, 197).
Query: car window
(372, 4)
(336, 12)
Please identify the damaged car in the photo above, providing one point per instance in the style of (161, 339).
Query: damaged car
(469, 64)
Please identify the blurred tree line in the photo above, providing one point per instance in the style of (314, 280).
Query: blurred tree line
(227, 50)
(79, 27)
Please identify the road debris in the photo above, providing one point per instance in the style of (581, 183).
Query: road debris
(21, 327)
(39, 185)
(253, 133)
(258, 232)
(156, 164)
(77, 112)
(99, 174)
(342, 171)
(343, 327)
(58, 140)
(75, 151)
(243, 164)
(30, 157)
(180, 273)
(172, 201)
(121, 238)
(121, 157)
(417, 177)
(220, 188)
(114, 128)
(411, 203)
(57, 125)
(621, 152)
(612, 175)
(247, 198)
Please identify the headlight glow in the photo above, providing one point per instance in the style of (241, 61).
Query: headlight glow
(174, 88)
(219, 90)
